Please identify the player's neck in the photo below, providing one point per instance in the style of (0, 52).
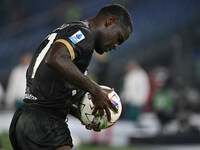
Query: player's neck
(95, 25)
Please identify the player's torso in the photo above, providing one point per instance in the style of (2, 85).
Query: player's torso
(46, 86)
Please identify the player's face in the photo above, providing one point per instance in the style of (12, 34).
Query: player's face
(110, 38)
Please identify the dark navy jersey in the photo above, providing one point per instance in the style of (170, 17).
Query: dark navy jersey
(44, 85)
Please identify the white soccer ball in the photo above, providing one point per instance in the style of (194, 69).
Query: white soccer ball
(97, 121)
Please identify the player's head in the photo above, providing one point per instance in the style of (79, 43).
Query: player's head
(115, 26)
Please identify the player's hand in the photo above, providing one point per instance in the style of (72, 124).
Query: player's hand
(89, 128)
(102, 102)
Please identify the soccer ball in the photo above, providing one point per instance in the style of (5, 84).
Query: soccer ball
(97, 121)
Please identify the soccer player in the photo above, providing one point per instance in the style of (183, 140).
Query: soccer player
(56, 79)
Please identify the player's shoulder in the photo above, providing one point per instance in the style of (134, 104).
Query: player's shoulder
(73, 27)
(75, 31)
(80, 31)
(82, 26)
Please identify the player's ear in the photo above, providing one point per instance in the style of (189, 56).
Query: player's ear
(110, 21)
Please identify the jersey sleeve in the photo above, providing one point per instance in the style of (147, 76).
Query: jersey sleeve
(78, 40)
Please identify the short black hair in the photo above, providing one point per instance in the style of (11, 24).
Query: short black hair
(120, 12)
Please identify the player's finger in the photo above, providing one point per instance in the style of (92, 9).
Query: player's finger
(108, 114)
(112, 89)
(109, 90)
(94, 111)
(101, 111)
(88, 127)
(113, 107)
(97, 130)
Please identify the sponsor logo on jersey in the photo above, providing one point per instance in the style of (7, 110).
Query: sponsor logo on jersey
(77, 37)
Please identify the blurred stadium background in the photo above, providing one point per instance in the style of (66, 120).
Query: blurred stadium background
(165, 42)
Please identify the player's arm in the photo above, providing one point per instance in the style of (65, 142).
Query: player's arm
(59, 58)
